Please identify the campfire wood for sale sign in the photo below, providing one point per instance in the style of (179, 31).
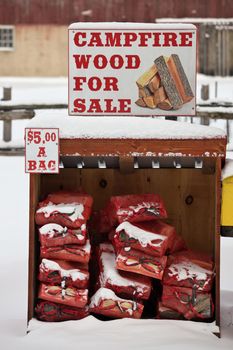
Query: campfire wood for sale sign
(132, 69)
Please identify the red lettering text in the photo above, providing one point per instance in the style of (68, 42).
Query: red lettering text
(41, 152)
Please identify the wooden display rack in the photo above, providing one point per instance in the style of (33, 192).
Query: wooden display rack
(190, 186)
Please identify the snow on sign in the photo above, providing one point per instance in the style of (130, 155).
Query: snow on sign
(132, 69)
(42, 150)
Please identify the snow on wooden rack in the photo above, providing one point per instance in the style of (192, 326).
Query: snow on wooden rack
(124, 128)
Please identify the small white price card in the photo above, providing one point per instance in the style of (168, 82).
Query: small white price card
(42, 150)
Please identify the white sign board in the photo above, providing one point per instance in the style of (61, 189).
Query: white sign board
(42, 150)
(132, 69)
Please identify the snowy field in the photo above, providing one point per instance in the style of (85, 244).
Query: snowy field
(88, 333)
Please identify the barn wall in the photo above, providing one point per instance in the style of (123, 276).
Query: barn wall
(41, 50)
(67, 11)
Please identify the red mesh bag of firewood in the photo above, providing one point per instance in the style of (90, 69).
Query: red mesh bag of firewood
(99, 226)
(178, 244)
(69, 252)
(188, 302)
(149, 237)
(67, 296)
(189, 269)
(99, 222)
(52, 235)
(165, 312)
(141, 263)
(63, 272)
(124, 284)
(175, 242)
(136, 208)
(52, 312)
(68, 209)
(106, 302)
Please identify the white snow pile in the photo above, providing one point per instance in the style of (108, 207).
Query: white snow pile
(52, 265)
(112, 275)
(74, 210)
(144, 237)
(123, 127)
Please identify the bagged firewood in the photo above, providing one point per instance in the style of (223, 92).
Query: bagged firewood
(178, 244)
(193, 305)
(99, 226)
(141, 263)
(187, 269)
(63, 273)
(133, 236)
(66, 209)
(69, 252)
(159, 227)
(52, 235)
(165, 312)
(124, 284)
(106, 302)
(53, 312)
(136, 208)
(67, 296)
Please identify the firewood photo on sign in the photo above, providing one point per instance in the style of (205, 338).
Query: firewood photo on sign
(164, 85)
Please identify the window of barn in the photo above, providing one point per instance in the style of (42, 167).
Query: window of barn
(6, 38)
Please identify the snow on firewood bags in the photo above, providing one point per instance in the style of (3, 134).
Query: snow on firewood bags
(54, 272)
(107, 303)
(117, 294)
(65, 253)
(124, 284)
(187, 285)
(64, 218)
(141, 247)
(68, 209)
(136, 208)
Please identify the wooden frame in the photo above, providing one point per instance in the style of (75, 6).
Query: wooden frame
(203, 186)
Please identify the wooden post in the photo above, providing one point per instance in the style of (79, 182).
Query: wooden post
(171, 118)
(6, 94)
(205, 92)
(7, 130)
(216, 89)
(205, 121)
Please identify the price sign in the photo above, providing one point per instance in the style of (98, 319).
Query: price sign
(42, 150)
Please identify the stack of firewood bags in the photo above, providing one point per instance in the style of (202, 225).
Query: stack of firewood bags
(64, 256)
(147, 249)
(141, 263)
